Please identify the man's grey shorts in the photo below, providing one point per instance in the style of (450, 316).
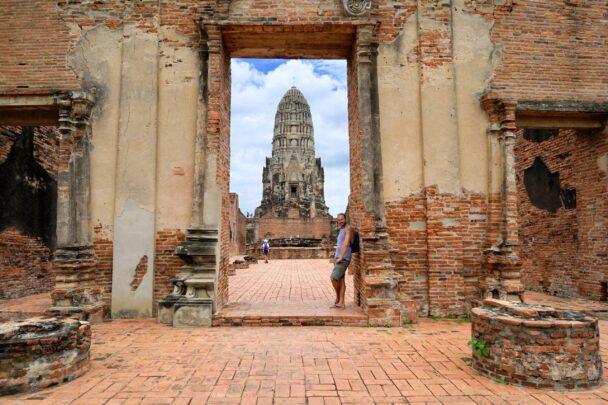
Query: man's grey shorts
(339, 269)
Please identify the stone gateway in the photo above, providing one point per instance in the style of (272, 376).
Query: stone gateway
(129, 102)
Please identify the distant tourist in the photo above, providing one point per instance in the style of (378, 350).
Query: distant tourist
(341, 261)
(265, 249)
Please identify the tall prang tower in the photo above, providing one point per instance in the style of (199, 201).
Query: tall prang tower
(293, 177)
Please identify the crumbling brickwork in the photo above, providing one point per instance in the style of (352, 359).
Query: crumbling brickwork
(166, 263)
(25, 267)
(219, 147)
(39, 353)
(24, 255)
(440, 242)
(563, 253)
(433, 246)
(104, 249)
(46, 146)
(535, 346)
(238, 227)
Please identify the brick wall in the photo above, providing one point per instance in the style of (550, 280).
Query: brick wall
(218, 144)
(166, 263)
(238, 227)
(46, 146)
(27, 65)
(550, 49)
(355, 203)
(440, 241)
(104, 249)
(25, 267)
(559, 56)
(564, 253)
(24, 259)
(276, 228)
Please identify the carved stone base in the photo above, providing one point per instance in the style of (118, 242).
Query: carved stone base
(76, 294)
(191, 304)
(185, 312)
(193, 313)
(381, 281)
(90, 313)
(502, 278)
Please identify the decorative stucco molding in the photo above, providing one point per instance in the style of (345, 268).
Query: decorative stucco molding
(356, 8)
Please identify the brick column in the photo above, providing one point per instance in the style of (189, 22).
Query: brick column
(74, 264)
(380, 281)
(442, 174)
(193, 299)
(501, 276)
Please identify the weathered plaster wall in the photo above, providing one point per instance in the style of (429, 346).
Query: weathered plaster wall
(143, 151)
(450, 151)
(135, 174)
(97, 60)
(435, 153)
(399, 88)
(475, 57)
(177, 111)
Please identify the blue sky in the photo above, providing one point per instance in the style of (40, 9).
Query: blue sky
(257, 87)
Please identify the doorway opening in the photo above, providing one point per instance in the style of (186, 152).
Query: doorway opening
(289, 179)
(29, 157)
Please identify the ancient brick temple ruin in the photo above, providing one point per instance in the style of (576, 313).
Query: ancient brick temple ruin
(463, 116)
(293, 202)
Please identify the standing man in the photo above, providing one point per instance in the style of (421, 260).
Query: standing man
(265, 249)
(341, 261)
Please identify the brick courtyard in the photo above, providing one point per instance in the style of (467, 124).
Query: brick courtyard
(143, 362)
(288, 292)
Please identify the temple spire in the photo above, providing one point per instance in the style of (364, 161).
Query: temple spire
(293, 176)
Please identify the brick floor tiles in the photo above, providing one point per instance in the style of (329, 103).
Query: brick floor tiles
(24, 307)
(288, 291)
(280, 281)
(143, 362)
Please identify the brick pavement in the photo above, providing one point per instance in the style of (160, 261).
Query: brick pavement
(24, 307)
(143, 362)
(280, 281)
(287, 292)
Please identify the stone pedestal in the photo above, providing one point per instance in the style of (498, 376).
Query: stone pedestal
(381, 281)
(191, 303)
(502, 279)
(76, 294)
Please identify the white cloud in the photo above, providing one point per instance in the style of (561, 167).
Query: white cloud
(256, 92)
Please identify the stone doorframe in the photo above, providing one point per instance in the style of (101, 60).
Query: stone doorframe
(501, 276)
(74, 262)
(376, 280)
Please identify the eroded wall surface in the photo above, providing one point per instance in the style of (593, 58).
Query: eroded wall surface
(439, 165)
(28, 193)
(435, 152)
(146, 80)
(563, 212)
